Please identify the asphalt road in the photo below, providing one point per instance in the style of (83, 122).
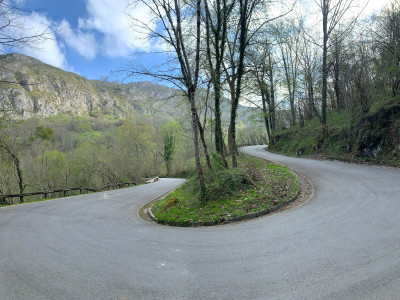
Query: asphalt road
(344, 243)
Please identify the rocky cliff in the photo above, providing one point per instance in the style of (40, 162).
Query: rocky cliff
(31, 88)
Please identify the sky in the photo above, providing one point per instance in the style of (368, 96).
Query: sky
(89, 37)
(93, 37)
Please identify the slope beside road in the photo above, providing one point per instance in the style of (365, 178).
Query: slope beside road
(344, 243)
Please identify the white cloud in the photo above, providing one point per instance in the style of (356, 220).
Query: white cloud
(108, 22)
(360, 9)
(106, 30)
(33, 36)
(84, 43)
(375, 6)
(47, 49)
(357, 8)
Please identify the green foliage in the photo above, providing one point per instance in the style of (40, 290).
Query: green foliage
(81, 124)
(169, 141)
(173, 142)
(171, 202)
(217, 161)
(110, 117)
(383, 102)
(136, 146)
(169, 146)
(251, 133)
(8, 174)
(309, 140)
(45, 133)
(63, 152)
(51, 168)
(355, 139)
(226, 182)
(60, 119)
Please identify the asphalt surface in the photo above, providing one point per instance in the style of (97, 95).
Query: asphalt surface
(344, 243)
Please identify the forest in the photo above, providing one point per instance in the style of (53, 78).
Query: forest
(68, 152)
(290, 64)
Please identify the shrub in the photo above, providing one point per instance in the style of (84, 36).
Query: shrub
(45, 133)
(226, 182)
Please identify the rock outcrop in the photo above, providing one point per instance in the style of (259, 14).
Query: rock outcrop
(30, 88)
(378, 132)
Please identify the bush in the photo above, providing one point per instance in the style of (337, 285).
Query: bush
(226, 183)
(45, 133)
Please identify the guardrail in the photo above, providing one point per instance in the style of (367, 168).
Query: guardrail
(64, 192)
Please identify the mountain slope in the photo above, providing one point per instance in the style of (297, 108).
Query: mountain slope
(31, 88)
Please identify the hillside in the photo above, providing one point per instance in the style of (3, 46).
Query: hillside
(30, 88)
(369, 137)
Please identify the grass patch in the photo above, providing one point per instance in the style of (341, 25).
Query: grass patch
(255, 185)
(349, 139)
(309, 140)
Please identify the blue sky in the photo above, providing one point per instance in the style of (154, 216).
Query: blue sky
(88, 37)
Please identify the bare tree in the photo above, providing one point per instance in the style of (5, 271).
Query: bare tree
(14, 33)
(288, 36)
(309, 73)
(387, 42)
(171, 15)
(260, 64)
(333, 12)
(217, 18)
(7, 147)
(252, 18)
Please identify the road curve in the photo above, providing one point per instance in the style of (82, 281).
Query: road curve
(344, 243)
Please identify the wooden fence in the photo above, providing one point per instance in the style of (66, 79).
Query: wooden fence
(63, 192)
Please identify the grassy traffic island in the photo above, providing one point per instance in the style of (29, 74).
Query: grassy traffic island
(255, 188)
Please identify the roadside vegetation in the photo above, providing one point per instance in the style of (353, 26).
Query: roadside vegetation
(256, 185)
(372, 137)
(68, 152)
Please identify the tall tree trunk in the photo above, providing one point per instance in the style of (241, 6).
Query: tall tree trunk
(219, 36)
(195, 127)
(289, 87)
(324, 67)
(233, 96)
(264, 97)
(219, 141)
(272, 113)
(242, 47)
(336, 69)
(203, 141)
(325, 11)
